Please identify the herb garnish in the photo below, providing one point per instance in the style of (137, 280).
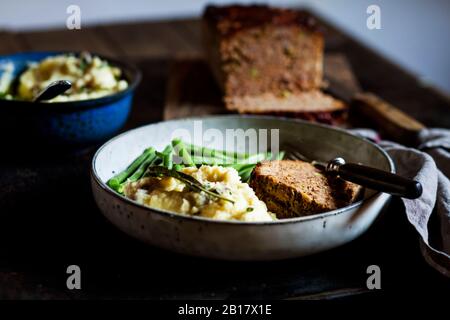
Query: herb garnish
(191, 182)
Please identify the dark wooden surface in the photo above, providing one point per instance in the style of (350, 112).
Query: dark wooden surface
(49, 219)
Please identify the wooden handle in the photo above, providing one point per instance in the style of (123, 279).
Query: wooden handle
(392, 122)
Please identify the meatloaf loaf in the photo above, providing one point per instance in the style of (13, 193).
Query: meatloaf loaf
(295, 188)
(267, 59)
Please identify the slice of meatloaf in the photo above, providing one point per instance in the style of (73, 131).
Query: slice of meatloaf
(296, 188)
(257, 49)
(309, 105)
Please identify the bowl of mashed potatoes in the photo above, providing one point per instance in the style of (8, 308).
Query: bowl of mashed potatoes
(92, 110)
(91, 77)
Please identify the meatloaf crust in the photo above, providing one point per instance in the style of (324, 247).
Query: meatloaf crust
(234, 18)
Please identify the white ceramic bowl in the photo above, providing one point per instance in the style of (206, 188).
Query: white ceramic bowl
(233, 240)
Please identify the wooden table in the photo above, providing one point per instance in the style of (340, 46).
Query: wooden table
(40, 235)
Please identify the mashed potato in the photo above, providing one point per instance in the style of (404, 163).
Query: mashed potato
(91, 77)
(173, 195)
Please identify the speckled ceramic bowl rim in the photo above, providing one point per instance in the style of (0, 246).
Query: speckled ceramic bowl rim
(86, 104)
(322, 215)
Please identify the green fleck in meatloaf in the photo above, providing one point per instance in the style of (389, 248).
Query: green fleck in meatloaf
(295, 188)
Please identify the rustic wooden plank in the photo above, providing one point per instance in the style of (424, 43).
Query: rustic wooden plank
(10, 43)
(191, 90)
(151, 39)
(134, 40)
(87, 39)
(190, 30)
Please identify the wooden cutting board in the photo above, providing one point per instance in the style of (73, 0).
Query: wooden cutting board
(192, 90)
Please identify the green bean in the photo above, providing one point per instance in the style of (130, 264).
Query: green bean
(187, 160)
(204, 160)
(116, 181)
(176, 142)
(280, 155)
(178, 167)
(142, 168)
(165, 156)
(168, 149)
(215, 153)
(246, 174)
(167, 160)
(181, 150)
(160, 156)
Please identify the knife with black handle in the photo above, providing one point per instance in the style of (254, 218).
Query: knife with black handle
(375, 179)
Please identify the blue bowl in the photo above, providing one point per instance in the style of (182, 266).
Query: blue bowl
(71, 124)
